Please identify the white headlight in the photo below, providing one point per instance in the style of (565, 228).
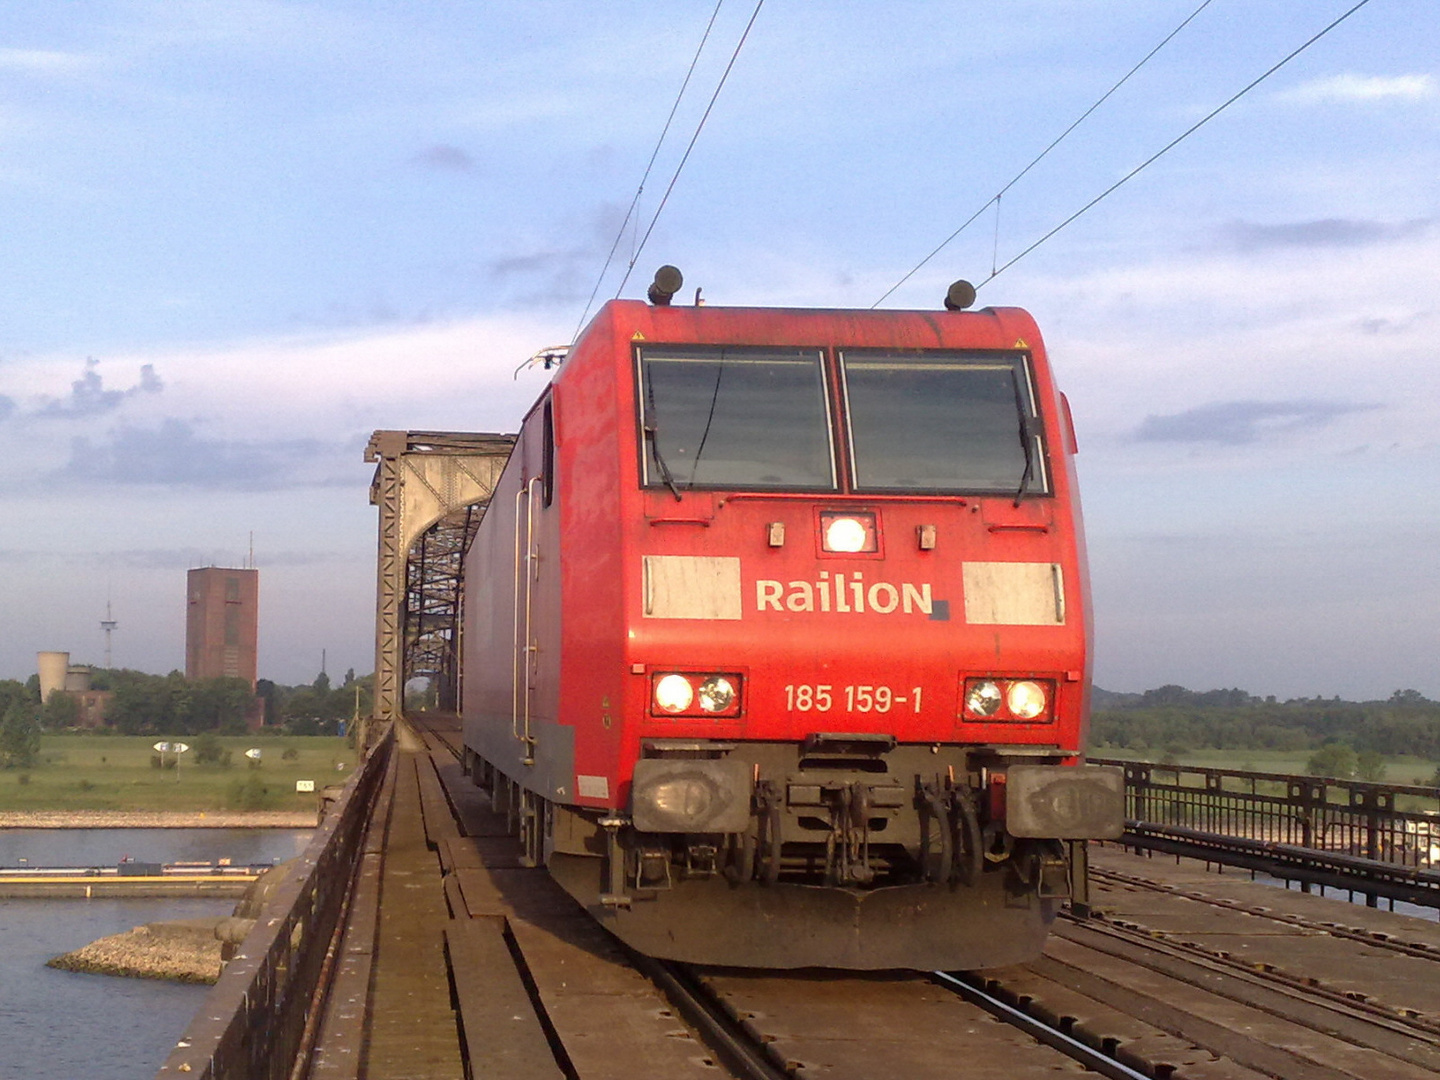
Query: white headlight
(1026, 700)
(717, 694)
(673, 693)
(983, 698)
(845, 534)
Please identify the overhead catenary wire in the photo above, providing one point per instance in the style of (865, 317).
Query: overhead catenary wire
(686, 156)
(640, 190)
(1176, 141)
(994, 200)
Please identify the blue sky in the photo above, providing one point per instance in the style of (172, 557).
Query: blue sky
(238, 237)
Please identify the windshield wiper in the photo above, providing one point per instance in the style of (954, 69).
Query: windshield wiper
(651, 436)
(660, 459)
(1027, 442)
(710, 418)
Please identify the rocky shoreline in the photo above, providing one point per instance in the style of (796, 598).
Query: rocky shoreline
(181, 950)
(185, 950)
(156, 819)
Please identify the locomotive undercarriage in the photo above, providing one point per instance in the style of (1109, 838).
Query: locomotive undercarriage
(844, 851)
(848, 811)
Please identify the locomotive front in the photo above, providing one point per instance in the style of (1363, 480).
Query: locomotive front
(841, 624)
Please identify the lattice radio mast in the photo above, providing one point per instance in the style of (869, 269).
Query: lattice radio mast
(108, 624)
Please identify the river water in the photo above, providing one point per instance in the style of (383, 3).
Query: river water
(68, 1026)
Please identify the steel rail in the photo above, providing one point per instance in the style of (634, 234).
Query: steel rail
(435, 740)
(1071, 1047)
(1296, 987)
(1422, 950)
(716, 1025)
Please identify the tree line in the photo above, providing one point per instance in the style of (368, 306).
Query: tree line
(145, 704)
(317, 708)
(1344, 738)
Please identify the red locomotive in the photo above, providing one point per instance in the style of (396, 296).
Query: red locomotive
(777, 635)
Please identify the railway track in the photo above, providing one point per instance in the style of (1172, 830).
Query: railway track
(1111, 996)
(1263, 991)
(794, 1026)
(761, 1025)
(773, 1027)
(1058, 1015)
(439, 738)
(1169, 1011)
(1243, 972)
(1372, 938)
(1379, 962)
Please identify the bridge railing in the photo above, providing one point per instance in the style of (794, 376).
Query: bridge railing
(1346, 833)
(253, 1022)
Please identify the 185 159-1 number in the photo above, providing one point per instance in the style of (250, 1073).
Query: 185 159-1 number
(823, 697)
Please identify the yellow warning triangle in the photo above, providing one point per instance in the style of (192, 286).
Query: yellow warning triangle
(637, 336)
(1020, 343)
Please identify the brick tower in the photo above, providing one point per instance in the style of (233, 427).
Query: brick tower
(222, 623)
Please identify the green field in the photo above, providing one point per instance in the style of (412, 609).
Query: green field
(116, 772)
(1398, 770)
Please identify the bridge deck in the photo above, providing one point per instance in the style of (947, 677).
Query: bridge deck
(460, 961)
(412, 1025)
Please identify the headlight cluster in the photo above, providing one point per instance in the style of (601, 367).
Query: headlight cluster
(676, 693)
(1015, 700)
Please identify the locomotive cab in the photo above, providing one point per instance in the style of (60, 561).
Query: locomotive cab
(788, 662)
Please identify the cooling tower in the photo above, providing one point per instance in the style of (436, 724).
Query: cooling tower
(53, 667)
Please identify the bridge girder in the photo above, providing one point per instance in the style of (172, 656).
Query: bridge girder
(425, 481)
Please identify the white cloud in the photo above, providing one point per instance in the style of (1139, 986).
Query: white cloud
(425, 376)
(43, 61)
(1346, 325)
(1349, 87)
(258, 416)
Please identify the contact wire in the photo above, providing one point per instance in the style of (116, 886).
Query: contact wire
(995, 199)
(1175, 142)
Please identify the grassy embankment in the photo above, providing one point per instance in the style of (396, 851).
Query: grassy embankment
(116, 773)
(1399, 769)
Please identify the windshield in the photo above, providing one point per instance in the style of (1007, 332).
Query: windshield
(943, 422)
(735, 417)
